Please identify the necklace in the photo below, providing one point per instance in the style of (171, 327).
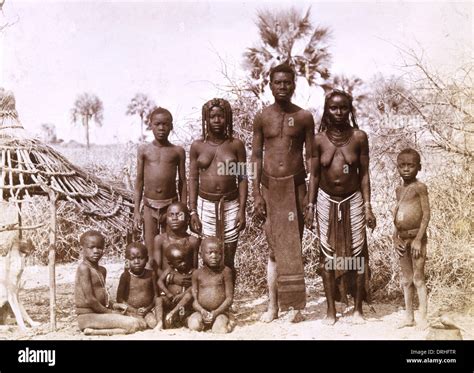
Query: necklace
(339, 137)
(212, 143)
(140, 275)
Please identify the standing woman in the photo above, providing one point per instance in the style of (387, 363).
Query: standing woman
(218, 183)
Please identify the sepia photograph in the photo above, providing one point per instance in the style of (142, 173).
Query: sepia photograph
(236, 170)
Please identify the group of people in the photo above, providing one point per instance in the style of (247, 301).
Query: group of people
(162, 284)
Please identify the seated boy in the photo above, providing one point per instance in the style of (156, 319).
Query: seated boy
(94, 314)
(177, 299)
(412, 214)
(136, 293)
(212, 289)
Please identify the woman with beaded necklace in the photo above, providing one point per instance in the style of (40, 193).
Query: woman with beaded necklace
(340, 184)
(218, 181)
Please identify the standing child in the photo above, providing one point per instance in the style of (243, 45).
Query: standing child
(176, 300)
(94, 312)
(137, 291)
(213, 290)
(157, 163)
(412, 214)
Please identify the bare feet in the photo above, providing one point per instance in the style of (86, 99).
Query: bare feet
(407, 323)
(295, 316)
(158, 326)
(357, 318)
(269, 315)
(422, 324)
(329, 320)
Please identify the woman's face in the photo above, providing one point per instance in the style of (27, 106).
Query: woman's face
(217, 121)
(339, 108)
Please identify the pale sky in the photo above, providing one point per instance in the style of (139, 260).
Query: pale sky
(57, 50)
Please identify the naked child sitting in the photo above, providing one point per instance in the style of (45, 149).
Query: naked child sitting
(157, 165)
(137, 289)
(95, 315)
(176, 301)
(212, 290)
(412, 214)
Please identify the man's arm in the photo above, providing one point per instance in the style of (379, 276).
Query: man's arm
(85, 282)
(243, 185)
(229, 293)
(138, 188)
(182, 183)
(257, 154)
(257, 162)
(365, 178)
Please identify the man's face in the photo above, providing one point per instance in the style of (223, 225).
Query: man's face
(212, 254)
(93, 248)
(176, 218)
(217, 120)
(161, 126)
(282, 86)
(408, 166)
(137, 260)
(338, 109)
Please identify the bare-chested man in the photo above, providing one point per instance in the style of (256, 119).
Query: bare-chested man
(412, 214)
(157, 165)
(282, 129)
(340, 183)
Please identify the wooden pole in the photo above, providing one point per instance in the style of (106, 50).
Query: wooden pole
(52, 260)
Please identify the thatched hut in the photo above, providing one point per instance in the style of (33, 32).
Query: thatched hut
(29, 168)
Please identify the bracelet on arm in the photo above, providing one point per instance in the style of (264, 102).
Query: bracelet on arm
(193, 212)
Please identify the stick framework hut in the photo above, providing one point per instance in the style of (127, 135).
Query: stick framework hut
(29, 167)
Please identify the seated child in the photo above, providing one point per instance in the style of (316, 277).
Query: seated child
(212, 289)
(177, 299)
(94, 312)
(177, 220)
(411, 217)
(136, 293)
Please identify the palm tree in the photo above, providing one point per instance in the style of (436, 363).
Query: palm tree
(282, 34)
(88, 106)
(140, 105)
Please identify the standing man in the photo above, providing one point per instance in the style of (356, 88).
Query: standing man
(282, 129)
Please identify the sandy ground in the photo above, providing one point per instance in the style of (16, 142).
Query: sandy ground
(381, 322)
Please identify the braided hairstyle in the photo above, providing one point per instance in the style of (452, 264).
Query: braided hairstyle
(325, 119)
(206, 111)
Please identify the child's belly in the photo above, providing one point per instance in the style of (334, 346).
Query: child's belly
(409, 215)
(140, 299)
(211, 298)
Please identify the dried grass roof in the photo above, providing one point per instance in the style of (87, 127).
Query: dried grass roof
(29, 167)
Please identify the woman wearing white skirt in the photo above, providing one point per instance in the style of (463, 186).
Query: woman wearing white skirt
(218, 181)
